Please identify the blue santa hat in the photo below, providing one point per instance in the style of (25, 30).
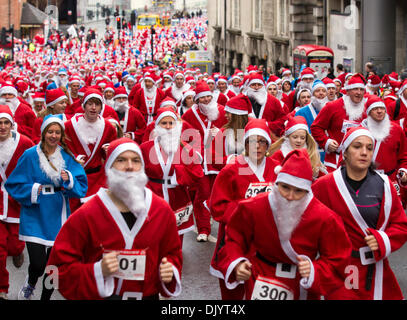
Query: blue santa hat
(53, 118)
(318, 84)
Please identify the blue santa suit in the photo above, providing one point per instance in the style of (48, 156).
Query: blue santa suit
(310, 113)
(42, 215)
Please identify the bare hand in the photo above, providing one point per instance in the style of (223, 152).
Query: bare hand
(105, 147)
(243, 271)
(304, 267)
(166, 271)
(403, 177)
(64, 176)
(110, 264)
(333, 146)
(214, 131)
(371, 241)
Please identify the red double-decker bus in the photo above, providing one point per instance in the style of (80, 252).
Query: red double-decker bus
(319, 58)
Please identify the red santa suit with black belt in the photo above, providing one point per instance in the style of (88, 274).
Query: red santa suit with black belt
(235, 182)
(254, 233)
(148, 104)
(11, 150)
(85, 140)
(98, 227)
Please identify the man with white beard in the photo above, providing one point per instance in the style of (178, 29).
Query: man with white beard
(124, 224)
(273, 240)
(236, 80)
(24, 116)
(61, 80)
(148, 98)
(172, 167)
(206, 117)
(131, 120)
(306, 80)
(178, 88)
(390, 155)
(332, 122)
(264, 105)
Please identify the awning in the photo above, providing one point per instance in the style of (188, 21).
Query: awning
(32, 16)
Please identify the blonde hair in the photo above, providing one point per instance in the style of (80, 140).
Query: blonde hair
(312, 149)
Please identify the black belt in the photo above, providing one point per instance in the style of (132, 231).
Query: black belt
(160, 181)
(370, 269)
(93, 170)
(390, 172)
(56, 189)
(285, 266)
(116, 297)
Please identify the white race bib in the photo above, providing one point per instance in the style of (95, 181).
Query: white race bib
(132, 265)
(257, 188)
(347, 124)
(271, 289)
(182, 215)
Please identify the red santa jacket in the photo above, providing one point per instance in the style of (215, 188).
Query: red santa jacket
(391, 108)
(390, 233)
(133, 123)
(24, 117)
(98, 227)
(140, 103)
(9, 208)
(252, 234)
(181, 170)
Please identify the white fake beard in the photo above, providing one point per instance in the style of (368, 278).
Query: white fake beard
(150, 93)
(129, 187)
(305, 85)
(7, 150)
(259, 95)
(235, 89)
(57, 161)
(210, 110)
(319, 103)
(354, 111)
(287, 214)
(90, 131)
(13, 103)
(379, 130)
(121, 106)
(62, 82)
(169, 139)
(177, 92)
(109, 102)
(167, 85)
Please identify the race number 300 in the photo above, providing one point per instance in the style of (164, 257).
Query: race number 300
(271, 289)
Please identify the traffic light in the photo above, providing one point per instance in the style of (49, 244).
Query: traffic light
(118, 20)
(3, 36)
(133, 18)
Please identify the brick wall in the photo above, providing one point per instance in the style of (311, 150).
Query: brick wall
(10, 13)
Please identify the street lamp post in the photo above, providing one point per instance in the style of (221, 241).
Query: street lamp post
(224, 40)
(152, 43)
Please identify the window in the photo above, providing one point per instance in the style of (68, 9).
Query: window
(282, 17)
(257, 15)
(219, 12)
(236, 14)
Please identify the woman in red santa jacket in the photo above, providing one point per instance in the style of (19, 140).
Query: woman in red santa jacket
(372, 214)
(247, 176)
(172, 167)
(285, 244)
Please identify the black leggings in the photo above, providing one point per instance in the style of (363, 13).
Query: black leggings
(38, 255)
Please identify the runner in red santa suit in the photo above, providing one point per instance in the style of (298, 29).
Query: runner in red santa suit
(87, 136)
(178, 88)
(285, 244)
(247, 176)
(372, 214)
(331, 123)
(131, 120)
(397, 110)
(12, 146)
(24, 116)
(218, 96)
(148, 98)
(206, 117)
(265, 106)
(223, 87)
(172, 167)
(390, 154)
(121, 225)
(38, 102)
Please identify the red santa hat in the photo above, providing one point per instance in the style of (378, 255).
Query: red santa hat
(109, 87)
(402, 87)
(92, 93)
(8, 89)
(82, 91)
(165, 112)
(294, 124)
(54, 96)
(188, 93)
(223, 79)
(22, 87)
(151, 76)
(374, 81)
(168, 102)
(329, 83)
(211, 80)
(120, 92)
(239, 105)
(374, 102)
(252, 69)
(75, 79)
(257, 127)
(296, 170)
(394, 76)
(117, 147)
(179, 74)
(255, 78)
(286, 72)
(39, 97)
(352, 134)
(356, 81)
(307, 73)
(5, 112)
(202, 90)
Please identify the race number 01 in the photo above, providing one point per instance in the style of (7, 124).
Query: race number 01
(124, 263)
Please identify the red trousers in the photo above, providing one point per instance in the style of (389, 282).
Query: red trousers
(10, 245)
(201, 212)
